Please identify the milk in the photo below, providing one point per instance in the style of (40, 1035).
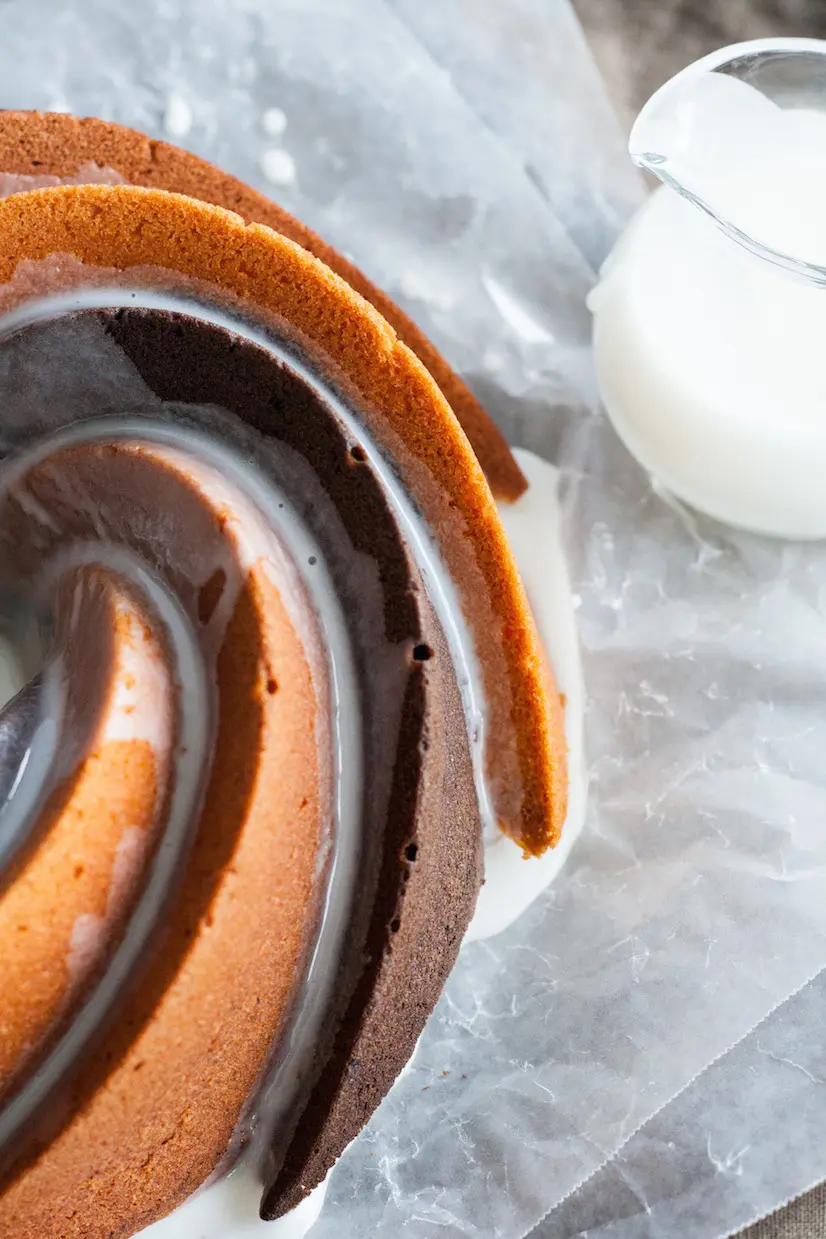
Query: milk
(710, 333)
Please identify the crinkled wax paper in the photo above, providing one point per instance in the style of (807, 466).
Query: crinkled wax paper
(607, 1051)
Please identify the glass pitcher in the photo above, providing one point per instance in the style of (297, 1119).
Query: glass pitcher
(710, 315)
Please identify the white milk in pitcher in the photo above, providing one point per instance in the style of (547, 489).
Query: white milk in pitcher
(710, 329)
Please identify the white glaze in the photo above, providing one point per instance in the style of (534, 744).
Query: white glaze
(443, 593)
(228, 1209)
(141, 703)
(225, 478)
(440, 586)
(534, 528)
(91, 932)
(87, 174)
(12, 678)
(247, 543)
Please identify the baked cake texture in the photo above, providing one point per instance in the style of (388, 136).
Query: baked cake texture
(146, 1119)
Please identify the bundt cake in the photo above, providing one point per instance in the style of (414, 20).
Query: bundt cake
(289, 673)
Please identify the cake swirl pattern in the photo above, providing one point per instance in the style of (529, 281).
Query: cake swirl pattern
(290, 674)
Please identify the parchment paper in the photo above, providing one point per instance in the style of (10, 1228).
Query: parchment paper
(464, 154)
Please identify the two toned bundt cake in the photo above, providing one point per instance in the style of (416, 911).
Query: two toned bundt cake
(290, 672)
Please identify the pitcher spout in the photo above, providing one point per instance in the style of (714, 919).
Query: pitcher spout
(741, 134)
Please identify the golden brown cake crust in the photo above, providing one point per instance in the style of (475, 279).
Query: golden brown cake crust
(55, 144)
(45, 961)
(125, 227)
(154, 1111)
